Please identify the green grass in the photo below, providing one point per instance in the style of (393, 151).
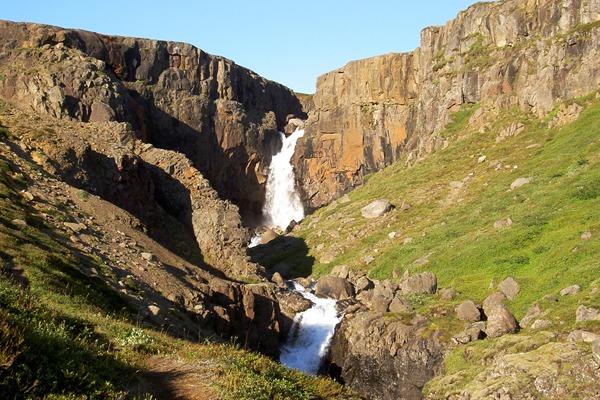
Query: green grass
(543, 249)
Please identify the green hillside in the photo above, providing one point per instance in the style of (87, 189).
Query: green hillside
(454, 200)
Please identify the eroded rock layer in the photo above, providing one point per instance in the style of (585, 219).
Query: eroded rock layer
(514, 53)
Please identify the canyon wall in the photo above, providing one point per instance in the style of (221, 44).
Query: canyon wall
(223, 117)
(368, 114)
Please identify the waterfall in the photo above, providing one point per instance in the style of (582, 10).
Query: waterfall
(311, 334)
(282, 202)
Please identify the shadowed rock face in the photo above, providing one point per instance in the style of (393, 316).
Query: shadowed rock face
(369, 113)
(223, 117)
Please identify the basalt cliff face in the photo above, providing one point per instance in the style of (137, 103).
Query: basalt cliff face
(223, 117)
(516, 53)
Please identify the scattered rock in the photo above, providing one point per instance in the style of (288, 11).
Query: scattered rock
(404, 206)
(75, 227)
(408, 240)
(540, 324)
(19, 222)
(154, 310)
(468, 311)
(569, 290)
(334, 287)
(344, 199)
(376, 209)
(456, 184)
(368, 259)
(328, 257)
(363, 283)
(148, 256)
(503, 223)
(392, 235)
(424, 283)
(268, 236)
(509, 287)
(517, 183)
(596, 350)
(481, 159)
(533, 312)
(500, 322)
(586, 314)
(382, 297)
(27, 195)
(583, 336)
(421, 260)
(447, 294)
(586, 235)
(493, 300)
(475, 331)
(399, 305)
(566, 114)
(278, 280)
(514, 129)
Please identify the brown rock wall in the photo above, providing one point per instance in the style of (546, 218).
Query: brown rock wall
(526, 53)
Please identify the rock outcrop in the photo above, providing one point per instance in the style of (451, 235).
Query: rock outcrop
(223, 117)
(369, 113)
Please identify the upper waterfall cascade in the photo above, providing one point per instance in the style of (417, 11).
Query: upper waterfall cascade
(282, 202)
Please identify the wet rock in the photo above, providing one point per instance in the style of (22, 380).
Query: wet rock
(509, 287)
(376, 208)
(500, 322)
(468, 311)
(334, 287)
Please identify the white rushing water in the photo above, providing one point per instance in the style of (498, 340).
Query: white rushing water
(311, 334)
(282, 202)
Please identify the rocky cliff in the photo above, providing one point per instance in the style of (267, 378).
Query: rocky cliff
(223, 117)
(529, 54)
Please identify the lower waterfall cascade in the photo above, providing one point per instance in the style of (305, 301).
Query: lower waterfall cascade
(311, 334)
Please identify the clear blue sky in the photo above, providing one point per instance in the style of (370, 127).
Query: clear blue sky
(291, 42)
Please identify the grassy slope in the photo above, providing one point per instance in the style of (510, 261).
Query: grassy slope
(64, 334)
(543, 250)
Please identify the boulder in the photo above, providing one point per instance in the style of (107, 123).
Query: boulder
(342, 271)
(268, 236)
(468, 311)
(278, 280)
(569, 290)
(493, 300)
(475, 331)
(376, 209)
(382, 297)
(517, 183)
(500, 322)
(509, 287)
(583, 336)
(533, 312)
(334, 287)
(424, 283)
(328, 257)
(363, 283)
(586, 314)
(399, 305)
(503, 223)
(447, 293)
